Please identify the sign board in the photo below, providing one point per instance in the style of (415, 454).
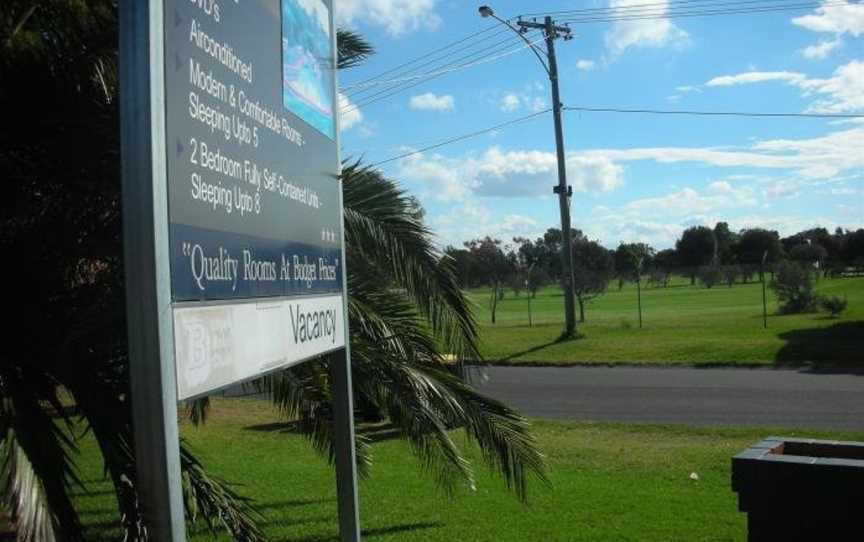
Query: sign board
(254, 206)
(232, 220)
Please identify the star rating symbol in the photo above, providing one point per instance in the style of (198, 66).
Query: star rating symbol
(328, 236)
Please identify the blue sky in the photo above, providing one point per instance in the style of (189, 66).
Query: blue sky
(635, 177)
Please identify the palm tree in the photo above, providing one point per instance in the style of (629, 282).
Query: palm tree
(404, 304)
(63, 362)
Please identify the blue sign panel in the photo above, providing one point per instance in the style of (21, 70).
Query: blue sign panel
(254, 201)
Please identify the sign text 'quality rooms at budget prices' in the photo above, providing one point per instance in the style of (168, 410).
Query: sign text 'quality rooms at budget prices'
(222, 267)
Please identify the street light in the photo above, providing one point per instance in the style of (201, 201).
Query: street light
(550, 65)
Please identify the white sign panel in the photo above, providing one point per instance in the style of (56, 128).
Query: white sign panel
(221, 345)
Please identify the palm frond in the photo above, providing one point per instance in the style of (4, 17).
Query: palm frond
(352, 49)
(36, 468)
(303, 395)
(197, 410)
(101, 407)
(399, 369)
(24, 495)
(382, 228)
(213, 500)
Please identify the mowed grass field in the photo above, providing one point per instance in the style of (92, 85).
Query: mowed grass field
(609, 482)
(682, 324)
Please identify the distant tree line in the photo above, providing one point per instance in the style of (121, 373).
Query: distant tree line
(712, 256)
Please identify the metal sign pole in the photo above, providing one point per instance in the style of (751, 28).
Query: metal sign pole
(220, 224)
(148, 284)
(340, 372)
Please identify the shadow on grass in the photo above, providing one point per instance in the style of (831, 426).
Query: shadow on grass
(371, 534)
(374, 432)
(296, 503)
(511, 357)
(278, 427)
(380, 432)
(101, 529)
(833, 347)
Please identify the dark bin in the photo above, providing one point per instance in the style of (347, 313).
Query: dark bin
(801, 489)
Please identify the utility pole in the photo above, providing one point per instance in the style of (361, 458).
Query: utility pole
(639, 288)
(553, 32)
(764, 296)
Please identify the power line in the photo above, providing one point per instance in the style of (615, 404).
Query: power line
(618, 8)
(659, 7)
(431, 53)
(362, 94)
(716, 113)
(484, 60)
(677, 14)
(401, 87)
(475, 54)
(436, 59)
(463, 137)
(623, 111)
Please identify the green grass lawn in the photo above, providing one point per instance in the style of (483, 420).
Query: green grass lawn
(610, 482)
(682, 324)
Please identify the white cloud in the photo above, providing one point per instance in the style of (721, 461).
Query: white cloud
(318, 11)
(514, 224)
(817, 158)
(349, 115)
(643, 32)
(499, 173)
(538, 104)
(510, 102)
(839, 18)
(431, 102)
(594, 174)
(531, 173)
(779, 189)
(748, 78)
(586, 65)
(687, 201)
(470, 220)
(820, 50)
(688, 88)
(437, 178)
(644, 221)
(842, 92)
(395, 16)
(527, 99)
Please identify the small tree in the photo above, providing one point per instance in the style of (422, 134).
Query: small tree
(537, 278)
(793, 284)
(834, 305)
(747, 272)
(730, 274)
(697, 247)
(592, 271)
(658, 277)
(492, 265)
(518, 282)
(710, 275)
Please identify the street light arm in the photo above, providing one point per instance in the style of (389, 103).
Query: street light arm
(526, 40)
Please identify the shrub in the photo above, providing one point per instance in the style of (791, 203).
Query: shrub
(731, 274)
(834, 305)
(793, 284)
(709, 275)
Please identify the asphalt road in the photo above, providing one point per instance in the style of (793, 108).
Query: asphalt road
(758, 397)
